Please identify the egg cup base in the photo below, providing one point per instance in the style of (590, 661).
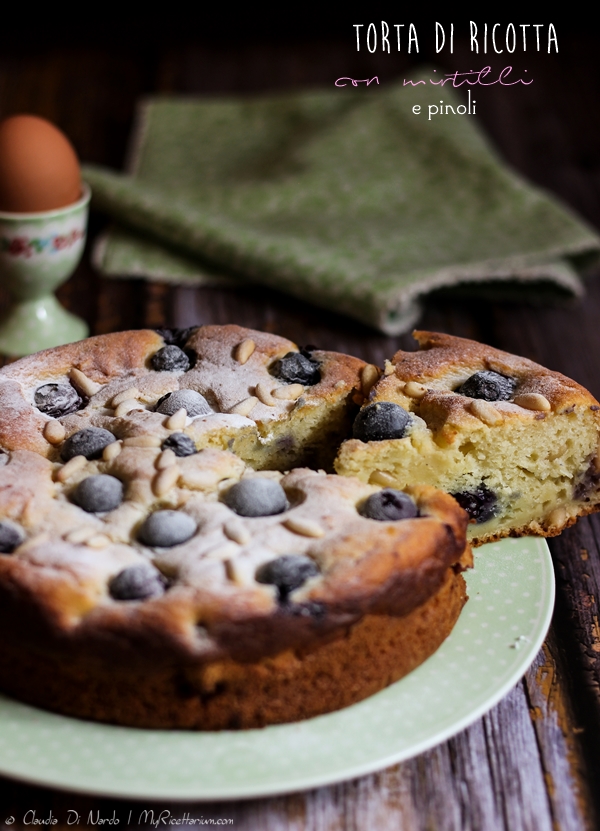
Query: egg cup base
(32, 325)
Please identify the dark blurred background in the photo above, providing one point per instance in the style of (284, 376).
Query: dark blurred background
(86, 77)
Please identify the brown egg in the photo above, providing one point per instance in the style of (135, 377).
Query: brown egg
(39, 170)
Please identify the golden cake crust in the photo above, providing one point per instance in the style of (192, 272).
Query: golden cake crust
(450, 360)
(296, 684)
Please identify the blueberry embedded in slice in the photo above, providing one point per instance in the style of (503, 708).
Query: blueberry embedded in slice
(164, 529)
(170, 359)
(99, 493)
(287, 573)
(488, 386)
(180, 444)
(190, 400)
(481, 504)
(89, 442)
(380, 421)
(256, 497)
(389, 505)
(587, 483)
(138, 582)
(297, 368)
(56, 400)
(11, 536)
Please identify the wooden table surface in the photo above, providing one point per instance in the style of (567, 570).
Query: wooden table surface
(534, 761)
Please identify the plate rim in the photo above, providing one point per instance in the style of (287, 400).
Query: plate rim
(306, 783)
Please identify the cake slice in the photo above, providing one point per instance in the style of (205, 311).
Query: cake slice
(516, 444)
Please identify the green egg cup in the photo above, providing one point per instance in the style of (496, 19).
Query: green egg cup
(38, 253)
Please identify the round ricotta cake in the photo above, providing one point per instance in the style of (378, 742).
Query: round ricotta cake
(160, 568)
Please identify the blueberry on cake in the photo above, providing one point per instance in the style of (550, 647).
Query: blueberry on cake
(515, 444)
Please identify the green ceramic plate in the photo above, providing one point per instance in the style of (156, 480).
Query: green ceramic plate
(499, 633)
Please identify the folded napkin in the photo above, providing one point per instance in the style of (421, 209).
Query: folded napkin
(342, 197)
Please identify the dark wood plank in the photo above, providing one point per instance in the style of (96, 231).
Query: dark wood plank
(558, 733)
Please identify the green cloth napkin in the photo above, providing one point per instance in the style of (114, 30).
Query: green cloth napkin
(342, 197)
